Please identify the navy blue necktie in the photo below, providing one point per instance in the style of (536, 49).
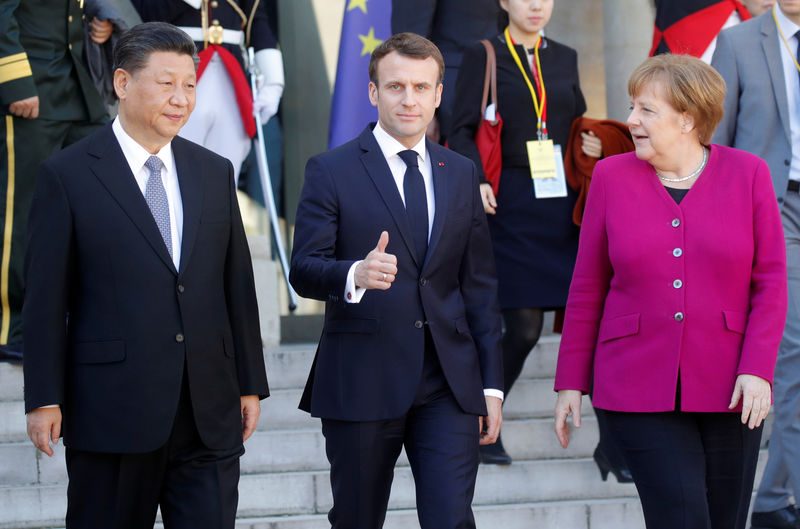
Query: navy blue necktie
(416, 202)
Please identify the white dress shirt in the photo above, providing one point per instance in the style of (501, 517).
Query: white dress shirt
(136, 156)
(792, 80)
(390, 148)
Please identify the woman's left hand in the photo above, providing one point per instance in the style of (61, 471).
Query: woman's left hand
(755, 393)
(591, 145)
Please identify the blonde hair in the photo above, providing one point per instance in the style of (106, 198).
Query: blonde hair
(690, 86)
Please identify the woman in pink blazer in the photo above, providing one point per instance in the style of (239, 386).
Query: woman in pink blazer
(678, 302)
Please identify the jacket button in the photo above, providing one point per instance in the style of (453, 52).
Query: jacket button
(418, 324)
(214, 4)
(69, 18)
(69, 46)
(179, 338)
(181, 288)
(677, 252)
(787, 163)
(676, 223)
(679, 316)
(677, 283)
(423, 282)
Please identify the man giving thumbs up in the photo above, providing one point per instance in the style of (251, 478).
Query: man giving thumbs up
(410, 352)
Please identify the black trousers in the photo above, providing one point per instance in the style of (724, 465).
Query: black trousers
(196, 487)
(692, 470)
(441, 442)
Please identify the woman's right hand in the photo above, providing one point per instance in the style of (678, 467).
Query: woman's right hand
(569, 401)
(489, 201)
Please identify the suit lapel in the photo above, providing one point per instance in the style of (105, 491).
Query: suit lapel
(190, 179)
(440, 172)
(378, 170)
(112, 169)
(772, 53)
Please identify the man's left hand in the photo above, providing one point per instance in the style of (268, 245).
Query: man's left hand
(100, 30)
(490, 425)
(251, 408)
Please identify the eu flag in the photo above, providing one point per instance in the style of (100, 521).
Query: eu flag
(367, 23)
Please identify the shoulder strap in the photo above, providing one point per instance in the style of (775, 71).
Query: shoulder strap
(490, 79)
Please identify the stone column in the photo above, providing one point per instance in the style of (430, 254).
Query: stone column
(628, 36)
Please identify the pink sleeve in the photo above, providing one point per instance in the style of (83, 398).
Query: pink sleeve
(768, 286)
(587, 292)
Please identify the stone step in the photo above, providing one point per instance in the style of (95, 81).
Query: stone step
(623, 513)
(617, 513)
(531, 398)
(302, 450)
(296, 493)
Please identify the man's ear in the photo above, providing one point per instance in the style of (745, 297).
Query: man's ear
(373, 94)
(121, 80)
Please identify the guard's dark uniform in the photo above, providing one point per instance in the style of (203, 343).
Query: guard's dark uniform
(41, 50)
(238, 14)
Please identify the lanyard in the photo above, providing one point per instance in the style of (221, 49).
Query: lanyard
(540, 102)
(786, 42)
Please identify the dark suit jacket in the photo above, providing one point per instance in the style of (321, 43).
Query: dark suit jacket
(370, 356)
(41, 54)
(109, 322)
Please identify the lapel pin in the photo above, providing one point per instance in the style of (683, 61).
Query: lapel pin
(441, 164)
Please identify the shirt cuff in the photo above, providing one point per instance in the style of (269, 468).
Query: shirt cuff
(50, 406)
(194, 3)
(493, 393)
(352, 293)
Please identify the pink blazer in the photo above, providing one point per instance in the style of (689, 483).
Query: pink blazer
(663, 291)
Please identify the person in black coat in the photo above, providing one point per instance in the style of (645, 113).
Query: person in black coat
(535, 241)
(140, 317)
(452, 25)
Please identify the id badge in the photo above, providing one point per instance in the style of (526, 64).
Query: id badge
(540, 159)
(555, 186)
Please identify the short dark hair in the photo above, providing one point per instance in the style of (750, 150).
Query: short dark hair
(134, 47)
(407, 45)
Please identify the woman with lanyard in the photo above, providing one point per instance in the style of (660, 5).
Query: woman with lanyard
(535, 241)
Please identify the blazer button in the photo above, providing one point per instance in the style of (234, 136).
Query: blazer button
(787, 163)
(679, 316)
(677, 252)
(418, 324)
(676, 223)
(181, 288)
(179, 338)
(423, 282)
(677, 283)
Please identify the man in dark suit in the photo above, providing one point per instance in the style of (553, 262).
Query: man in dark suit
(758, 60)
(141, 324)
(410, 351)
(453, 25)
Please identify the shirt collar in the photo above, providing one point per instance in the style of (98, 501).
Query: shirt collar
(135, 154)
(788, 27)
(390, 146)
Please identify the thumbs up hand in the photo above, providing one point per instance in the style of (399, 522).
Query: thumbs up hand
(378, 269)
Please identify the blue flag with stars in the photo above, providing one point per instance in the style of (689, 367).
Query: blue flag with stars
(367, 23)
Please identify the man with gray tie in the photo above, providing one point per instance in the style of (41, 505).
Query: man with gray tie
(140, 318)
(759, 61)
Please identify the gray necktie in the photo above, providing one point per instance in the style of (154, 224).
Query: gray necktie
(156, 197)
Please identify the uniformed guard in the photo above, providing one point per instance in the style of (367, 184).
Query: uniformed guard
(223, 117)
(48, 101)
